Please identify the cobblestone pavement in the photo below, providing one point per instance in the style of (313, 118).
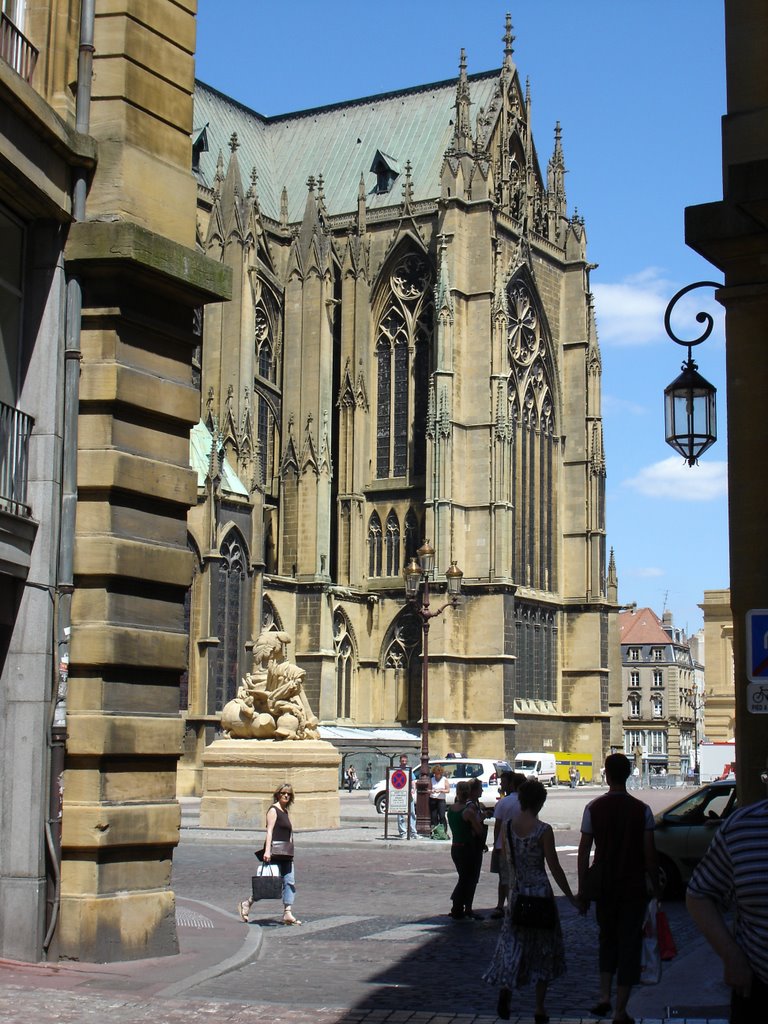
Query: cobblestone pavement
(376, 945)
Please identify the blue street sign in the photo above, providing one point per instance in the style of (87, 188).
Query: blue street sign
(757, 641)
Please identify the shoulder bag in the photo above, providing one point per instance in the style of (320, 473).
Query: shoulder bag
(282, 849)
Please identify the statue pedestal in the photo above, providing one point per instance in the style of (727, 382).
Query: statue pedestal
(240, 777)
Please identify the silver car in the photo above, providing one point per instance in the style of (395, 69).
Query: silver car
(685, 830)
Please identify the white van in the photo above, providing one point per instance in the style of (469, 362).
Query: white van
(539, 765)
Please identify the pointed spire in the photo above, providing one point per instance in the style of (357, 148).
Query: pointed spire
(462, 131)
(284, 208)
(508, 38)
(407, 186)
(443, 296)
(361, 212)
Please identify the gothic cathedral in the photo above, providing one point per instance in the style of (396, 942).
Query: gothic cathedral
(410, 353)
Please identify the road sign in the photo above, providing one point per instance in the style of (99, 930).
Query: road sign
(398, 790)
(757, 642)
(757, 698)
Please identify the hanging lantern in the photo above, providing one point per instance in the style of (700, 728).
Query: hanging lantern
(690, 414)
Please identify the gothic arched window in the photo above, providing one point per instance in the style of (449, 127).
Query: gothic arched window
(374, 545)
(401, 653)
(266, 369)
(393, 545)
(345, 664)
(403, 335)
(411, 535)
(534, 446)
(229, 614)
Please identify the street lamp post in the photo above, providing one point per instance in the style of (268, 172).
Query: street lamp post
(696, 701)
(417, 575)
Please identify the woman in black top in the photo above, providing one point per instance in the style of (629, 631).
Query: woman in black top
(279, 833)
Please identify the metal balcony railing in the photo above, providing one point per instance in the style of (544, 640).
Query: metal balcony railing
(15, 428)
(16, 49)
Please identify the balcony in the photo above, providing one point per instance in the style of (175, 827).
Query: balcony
(16, 49)
(15, 428)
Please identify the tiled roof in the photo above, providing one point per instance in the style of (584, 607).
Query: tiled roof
(338, 142)
(642, 626)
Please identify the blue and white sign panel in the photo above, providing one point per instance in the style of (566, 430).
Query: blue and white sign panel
(757, 645)
(398, 789)
(757, 698)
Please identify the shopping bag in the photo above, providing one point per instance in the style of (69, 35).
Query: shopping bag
(667, 947)
(267, 884)
(650, 969)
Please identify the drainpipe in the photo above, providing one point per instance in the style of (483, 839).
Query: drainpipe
(72, 356)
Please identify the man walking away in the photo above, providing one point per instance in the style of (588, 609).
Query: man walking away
(621, 828)
(733, 873)
(506, 809)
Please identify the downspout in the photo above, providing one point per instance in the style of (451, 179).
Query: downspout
(65, 586)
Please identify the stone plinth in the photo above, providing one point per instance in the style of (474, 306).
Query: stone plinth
(240, 777)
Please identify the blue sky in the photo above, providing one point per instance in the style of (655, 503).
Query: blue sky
(639, 90)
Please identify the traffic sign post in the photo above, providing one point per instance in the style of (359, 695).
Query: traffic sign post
(757, 642)
(398, 794)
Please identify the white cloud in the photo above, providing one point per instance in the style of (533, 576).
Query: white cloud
(648, 572)
(631, 312)
(612, 403)
(672, 478)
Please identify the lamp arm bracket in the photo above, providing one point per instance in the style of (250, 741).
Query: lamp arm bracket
(701, 317)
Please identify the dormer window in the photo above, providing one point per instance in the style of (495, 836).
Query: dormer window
(634, 654)
(199, 145)
(386, 169)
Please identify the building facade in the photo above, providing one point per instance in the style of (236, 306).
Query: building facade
(410, 354)
(100, 292)
(660, 687)
(720, 710)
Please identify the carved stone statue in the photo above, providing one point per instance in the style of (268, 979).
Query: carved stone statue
(271, 703)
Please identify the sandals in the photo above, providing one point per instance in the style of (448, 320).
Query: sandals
(288, 918)
(243, 908)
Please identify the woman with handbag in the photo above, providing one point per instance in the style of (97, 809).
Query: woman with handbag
(278, 849)
(530, 947)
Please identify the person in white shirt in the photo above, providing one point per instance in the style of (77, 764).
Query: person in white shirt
(507, 808)
(437, 796)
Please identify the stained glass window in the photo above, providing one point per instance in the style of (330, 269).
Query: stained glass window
(374, 545)
(231, 582)
(403, 334)
(393, 545)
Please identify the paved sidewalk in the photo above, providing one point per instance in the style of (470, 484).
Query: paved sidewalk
(375, 948)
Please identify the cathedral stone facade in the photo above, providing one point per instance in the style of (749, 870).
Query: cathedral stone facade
(410, 353)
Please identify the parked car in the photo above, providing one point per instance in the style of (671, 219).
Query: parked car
(455, 769)
(685, 830)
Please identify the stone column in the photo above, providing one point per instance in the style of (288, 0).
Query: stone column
(141, 281)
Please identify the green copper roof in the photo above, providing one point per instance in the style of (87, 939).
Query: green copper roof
(200, 441)
(338, 142)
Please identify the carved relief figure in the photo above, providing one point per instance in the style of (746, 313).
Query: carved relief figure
(271, 703)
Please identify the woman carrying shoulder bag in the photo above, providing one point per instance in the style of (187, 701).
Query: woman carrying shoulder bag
(278, 849)
(530, 947)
